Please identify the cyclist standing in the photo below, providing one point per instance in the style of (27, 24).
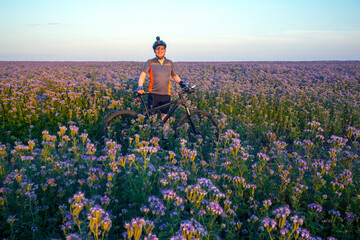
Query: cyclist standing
(160, 71)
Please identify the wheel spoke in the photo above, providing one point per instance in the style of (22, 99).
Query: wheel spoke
(120, 127)
(206, 129)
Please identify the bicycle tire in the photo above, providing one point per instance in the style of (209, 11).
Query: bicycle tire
(118, 125)
(205, 124)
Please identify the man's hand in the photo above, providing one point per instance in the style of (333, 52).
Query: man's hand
(140, 90)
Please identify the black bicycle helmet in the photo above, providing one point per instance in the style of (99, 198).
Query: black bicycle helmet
(159, 43)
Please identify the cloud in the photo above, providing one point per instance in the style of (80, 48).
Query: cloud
(39, 25)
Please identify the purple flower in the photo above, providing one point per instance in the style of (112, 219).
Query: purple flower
(282, 212)
(169, 194)
(267, 203)
(192, 228)
(284, 231)
(269, 223)
(11, 219)
(215, 208)
(303, 233)
(335, 213)
(315, 207)
(296, 220)
(157, 206)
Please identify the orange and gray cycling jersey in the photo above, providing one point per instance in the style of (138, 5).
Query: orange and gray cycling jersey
(160, 75)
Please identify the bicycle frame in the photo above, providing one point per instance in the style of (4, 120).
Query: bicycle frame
(177, 102)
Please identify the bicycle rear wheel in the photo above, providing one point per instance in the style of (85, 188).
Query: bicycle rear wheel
(206, 128)
(120, 126)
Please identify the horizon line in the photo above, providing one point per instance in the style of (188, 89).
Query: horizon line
(189, 61)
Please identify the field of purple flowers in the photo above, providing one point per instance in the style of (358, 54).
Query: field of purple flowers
(286, 165)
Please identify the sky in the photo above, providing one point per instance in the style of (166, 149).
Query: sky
(194, 30)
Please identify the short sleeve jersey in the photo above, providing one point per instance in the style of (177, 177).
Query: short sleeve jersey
(160, 75)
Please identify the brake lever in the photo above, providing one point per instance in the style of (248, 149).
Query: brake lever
(189, 89)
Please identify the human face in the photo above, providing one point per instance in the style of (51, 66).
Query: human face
(160, 51)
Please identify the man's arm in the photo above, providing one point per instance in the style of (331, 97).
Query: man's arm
(141, 82)
(179, 81)
(177, 78)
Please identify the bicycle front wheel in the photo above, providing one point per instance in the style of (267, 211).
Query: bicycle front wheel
(204, 130)
(120, 126)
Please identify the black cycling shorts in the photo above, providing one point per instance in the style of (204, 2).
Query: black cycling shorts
(155, 100)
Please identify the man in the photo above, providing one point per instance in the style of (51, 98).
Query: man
(160, 71)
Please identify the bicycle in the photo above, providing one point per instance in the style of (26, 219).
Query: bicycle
(197, 125)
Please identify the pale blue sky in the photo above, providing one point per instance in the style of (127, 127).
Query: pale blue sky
(203, 30)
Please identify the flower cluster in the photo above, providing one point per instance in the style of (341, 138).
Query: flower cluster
(99, 221)
(190, 229)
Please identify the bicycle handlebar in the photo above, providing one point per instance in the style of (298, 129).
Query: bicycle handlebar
(189, 89)
(135, 92)
(183, 90)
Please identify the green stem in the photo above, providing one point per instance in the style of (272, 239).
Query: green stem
(270, 235)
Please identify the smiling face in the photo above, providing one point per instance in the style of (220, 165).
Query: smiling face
(160, 51)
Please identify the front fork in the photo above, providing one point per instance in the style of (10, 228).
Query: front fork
(143, 103)
(188, 113)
